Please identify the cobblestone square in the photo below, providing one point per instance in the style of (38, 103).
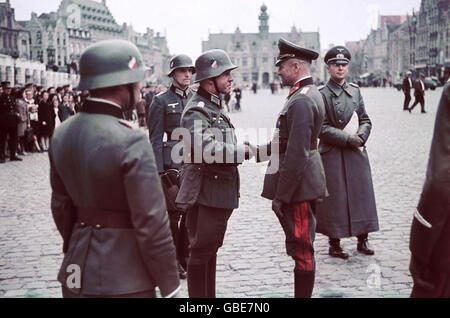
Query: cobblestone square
(253, 261)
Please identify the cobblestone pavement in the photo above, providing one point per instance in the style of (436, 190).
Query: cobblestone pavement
(253, 261)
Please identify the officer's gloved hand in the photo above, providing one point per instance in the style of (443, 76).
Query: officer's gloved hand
(277, 207)
(355, 141)
(421, 275)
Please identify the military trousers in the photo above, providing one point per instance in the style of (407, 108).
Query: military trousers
(206, 227)
(179, 235)
(12, 140)
(442, 287)
(299, 225)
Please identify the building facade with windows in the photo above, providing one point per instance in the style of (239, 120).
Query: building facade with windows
(256, 53)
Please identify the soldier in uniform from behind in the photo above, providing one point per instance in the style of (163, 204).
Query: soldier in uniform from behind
(350, 210)
(430, 233)
(300, 179)
(164, 117)
(209, 184)
(107, 199)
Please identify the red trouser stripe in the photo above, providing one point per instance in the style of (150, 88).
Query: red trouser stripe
(302, 235)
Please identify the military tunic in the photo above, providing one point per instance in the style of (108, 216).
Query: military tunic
(209, 184)
(430, 233)
(300, 180)
(103, 171)
(350, 210)
(164, 117)
(9, 119)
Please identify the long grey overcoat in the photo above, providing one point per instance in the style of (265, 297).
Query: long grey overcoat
(350, 210)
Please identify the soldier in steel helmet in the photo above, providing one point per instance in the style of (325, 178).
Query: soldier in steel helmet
(299, 182)
(350, 210)
(209, 178)
(164, 117)
(107, 200)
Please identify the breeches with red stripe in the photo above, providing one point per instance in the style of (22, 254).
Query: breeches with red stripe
(299, 225)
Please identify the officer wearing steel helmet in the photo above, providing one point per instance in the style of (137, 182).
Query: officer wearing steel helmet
(107, 200)
(209, 178)
(164, 117)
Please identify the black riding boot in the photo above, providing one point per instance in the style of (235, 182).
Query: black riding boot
(211, 278)
(304, 283)
(197, 278)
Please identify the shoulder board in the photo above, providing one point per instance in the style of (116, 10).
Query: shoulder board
(354, 85)
(126, 124)
(320, 87)
(304, 91)
(160, 94)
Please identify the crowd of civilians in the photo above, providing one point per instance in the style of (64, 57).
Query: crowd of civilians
(35, 113)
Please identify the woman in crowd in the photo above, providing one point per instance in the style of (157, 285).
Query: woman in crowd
(45, 120)
(24, 122)
(34, 119)
(55, 112)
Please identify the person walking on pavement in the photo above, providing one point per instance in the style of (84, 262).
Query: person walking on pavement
(300, 180)
(350, 210)
(9, 120)
(407, 87)
(164, 117)
(430, 233)
(107, 200)
(419, 94)
(209, 178)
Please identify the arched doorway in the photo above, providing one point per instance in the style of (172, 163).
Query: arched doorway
(266, 79)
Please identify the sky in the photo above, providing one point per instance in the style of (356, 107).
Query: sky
(187, 22)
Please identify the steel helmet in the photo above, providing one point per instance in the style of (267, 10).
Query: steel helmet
(111, 63)
(180, 61)
(213, 64)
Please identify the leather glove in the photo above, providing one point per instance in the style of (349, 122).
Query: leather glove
(421, 275)
(355, 141)
(277, 207)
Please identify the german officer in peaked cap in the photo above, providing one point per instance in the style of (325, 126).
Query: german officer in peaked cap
(209, 181)
(164, 117)
(299, 180)
(350, 210)
(107, 200)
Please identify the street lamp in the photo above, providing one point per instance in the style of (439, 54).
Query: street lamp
(15, 56)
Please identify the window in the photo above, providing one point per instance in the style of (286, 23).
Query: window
(245, 77)
(244, 62)
(265, 59)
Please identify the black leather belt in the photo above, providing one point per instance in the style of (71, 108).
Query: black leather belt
(104, 218)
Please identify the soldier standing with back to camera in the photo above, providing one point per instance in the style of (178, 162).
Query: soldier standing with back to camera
(210, 177)
(350, 210)
(430, 233)
(300, 180)
(164, 117)
(107, 200)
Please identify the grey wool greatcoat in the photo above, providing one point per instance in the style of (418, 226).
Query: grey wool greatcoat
(350, 210)
(100, 164)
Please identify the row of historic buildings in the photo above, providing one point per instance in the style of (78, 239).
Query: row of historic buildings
(419, 42)
(53, 42)
(256, 53)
